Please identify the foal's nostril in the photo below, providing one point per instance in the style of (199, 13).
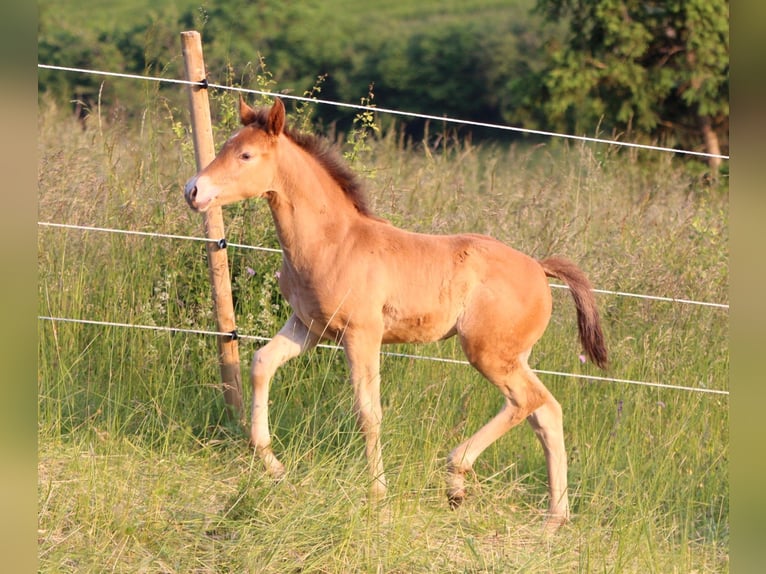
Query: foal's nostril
(190, 191)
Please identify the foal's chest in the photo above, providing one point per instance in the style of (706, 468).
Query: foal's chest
(323, 309)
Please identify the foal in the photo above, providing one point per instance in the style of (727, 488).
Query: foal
(354, 279)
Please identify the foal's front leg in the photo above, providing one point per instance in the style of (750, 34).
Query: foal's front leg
(293, 339)
(363, 355)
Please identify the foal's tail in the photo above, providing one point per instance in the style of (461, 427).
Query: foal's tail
(588, 322)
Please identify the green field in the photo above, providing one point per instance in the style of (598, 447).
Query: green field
(106, 14)
(139, 471)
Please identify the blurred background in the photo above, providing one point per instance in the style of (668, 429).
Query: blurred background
(653, 71)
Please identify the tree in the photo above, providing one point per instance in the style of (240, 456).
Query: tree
(658, 67)
(447, 68)
(63, 47)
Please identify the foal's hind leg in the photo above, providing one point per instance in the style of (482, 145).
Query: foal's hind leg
(461, 459)
(526, 398)
(292, 340)
(547, 422)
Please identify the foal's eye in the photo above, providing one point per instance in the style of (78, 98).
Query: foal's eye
(245, 156)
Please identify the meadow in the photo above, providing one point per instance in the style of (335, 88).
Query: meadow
(139, 469)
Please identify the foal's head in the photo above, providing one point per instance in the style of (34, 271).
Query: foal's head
(245, 167)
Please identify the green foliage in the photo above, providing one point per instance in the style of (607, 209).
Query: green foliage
(441, 69)
(658, 70)
(364, 126)
(646, 67)
(63, 47)
(305, 109)
(455, 59)
(143, 42)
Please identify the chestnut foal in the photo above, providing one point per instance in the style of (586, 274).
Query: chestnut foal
(352, 278)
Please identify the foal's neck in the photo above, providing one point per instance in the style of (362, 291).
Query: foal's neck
(311, 212)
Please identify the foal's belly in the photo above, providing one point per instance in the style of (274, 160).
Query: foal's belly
(416, 328)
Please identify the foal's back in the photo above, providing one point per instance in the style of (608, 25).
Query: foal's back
(430, 287)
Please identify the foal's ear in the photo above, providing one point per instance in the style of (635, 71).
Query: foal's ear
(246, 113)
(277, 118)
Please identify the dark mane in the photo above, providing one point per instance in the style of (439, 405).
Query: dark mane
(329, 158)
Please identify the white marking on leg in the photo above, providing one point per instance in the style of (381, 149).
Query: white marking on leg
(292, 340)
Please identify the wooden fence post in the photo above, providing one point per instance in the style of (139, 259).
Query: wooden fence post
(218, 263)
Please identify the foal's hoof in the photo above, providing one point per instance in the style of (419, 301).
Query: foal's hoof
(377, 492)
(274, 468)
(455, 487)
(553, 523)
(277, 473)
(455, 499)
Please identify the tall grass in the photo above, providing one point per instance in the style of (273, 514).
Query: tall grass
(138, 470)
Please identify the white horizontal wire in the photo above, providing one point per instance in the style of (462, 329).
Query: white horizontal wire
(274, 250)
(385, 353)
(651, 297)
(389, 111)
(130, 326)
(161, 235)
(124, 231)
(572, 375)
(117, 75)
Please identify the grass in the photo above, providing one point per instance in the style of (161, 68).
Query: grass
(105, 14)
(100, 14)
(139, 471)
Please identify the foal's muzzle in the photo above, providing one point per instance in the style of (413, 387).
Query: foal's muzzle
(190, 193)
